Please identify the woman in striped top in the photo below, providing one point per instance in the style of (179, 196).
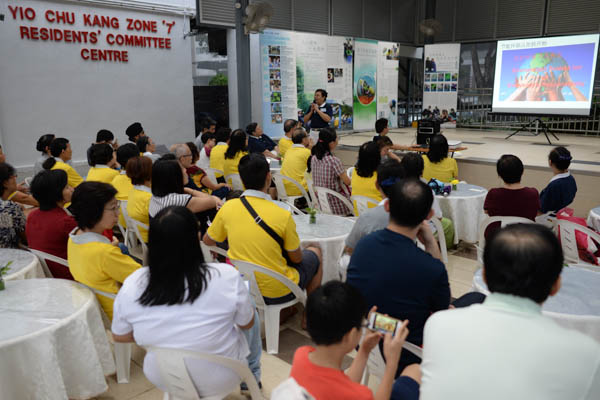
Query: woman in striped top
(168, 190)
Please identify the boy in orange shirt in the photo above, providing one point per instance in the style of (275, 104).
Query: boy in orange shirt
(335, 314)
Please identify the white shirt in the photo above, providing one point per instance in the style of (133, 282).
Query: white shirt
(209, 324)
(560, 176)
(151, 156)
(506, 349)
(204, 160)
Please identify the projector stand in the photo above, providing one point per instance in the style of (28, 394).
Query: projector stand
(539, 124)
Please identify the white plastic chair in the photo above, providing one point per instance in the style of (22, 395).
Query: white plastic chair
(323, 199)
(122, 350)
(376, 364)
(133, 238)
(282, 195)
(269, 313)
(311, 190)
(207, 252)
(441, 238)
(362, 203)
(180, 385)
(290, 390)
(235, 181)
(122, 228)
(568, 241)
(503, 222)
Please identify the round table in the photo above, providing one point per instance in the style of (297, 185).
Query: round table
(52, 341)
(25, 265)
(329, 233)
(575, 306)
(593, 219)
(464, 207)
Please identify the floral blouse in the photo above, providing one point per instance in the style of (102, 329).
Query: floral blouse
(12, 223)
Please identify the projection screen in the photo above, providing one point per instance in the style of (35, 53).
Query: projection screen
(551, 75)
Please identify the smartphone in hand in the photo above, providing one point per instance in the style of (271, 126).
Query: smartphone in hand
(382, 323)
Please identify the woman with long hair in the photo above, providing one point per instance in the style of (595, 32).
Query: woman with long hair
(168, 189)
(364, 175)
(238, 148)
(437, 163)
(181, 302)
(328, 170)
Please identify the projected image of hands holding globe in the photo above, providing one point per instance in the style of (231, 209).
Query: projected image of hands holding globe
(544, 86)
(548, 75)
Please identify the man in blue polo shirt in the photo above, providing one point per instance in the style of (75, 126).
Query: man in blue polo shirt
(392, 273)
(319, 113)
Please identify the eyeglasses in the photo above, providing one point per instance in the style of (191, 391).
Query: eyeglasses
(115, 209)
(186, 155)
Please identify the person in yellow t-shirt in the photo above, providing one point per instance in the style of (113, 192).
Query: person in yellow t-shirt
(285, 143)
(103, 161)
(295, 164)
(437, 163)
(139, 170)
(217, 153)
(93, 259)
(122, 182)
(248, 241)
(61, 152)
(238, 147)
(364, 175)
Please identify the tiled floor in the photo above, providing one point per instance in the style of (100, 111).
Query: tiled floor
(276, 368)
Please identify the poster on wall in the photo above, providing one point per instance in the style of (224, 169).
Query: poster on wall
(311, 68)
(440, 86)
(340, 53)
(365, 84)
(325, 62)
(278, 68)
(388, 55)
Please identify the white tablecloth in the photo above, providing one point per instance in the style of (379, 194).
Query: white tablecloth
(575, 306)
(464, 207)
(25, 265)
(329, 233)
(52, 341)
(593, 219)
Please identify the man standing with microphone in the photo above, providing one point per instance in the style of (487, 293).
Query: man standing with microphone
(319, 114)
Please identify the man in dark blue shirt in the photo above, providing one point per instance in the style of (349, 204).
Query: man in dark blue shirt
(319, 113)
(392, 273)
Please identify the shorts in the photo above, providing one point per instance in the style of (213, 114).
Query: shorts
(307, 269)
(405, 388)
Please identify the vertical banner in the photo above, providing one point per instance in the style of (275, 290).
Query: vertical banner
(278, 67)
(311, 69)
(440, 87)
(339, 56)
(365, 84)
(387, 82)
